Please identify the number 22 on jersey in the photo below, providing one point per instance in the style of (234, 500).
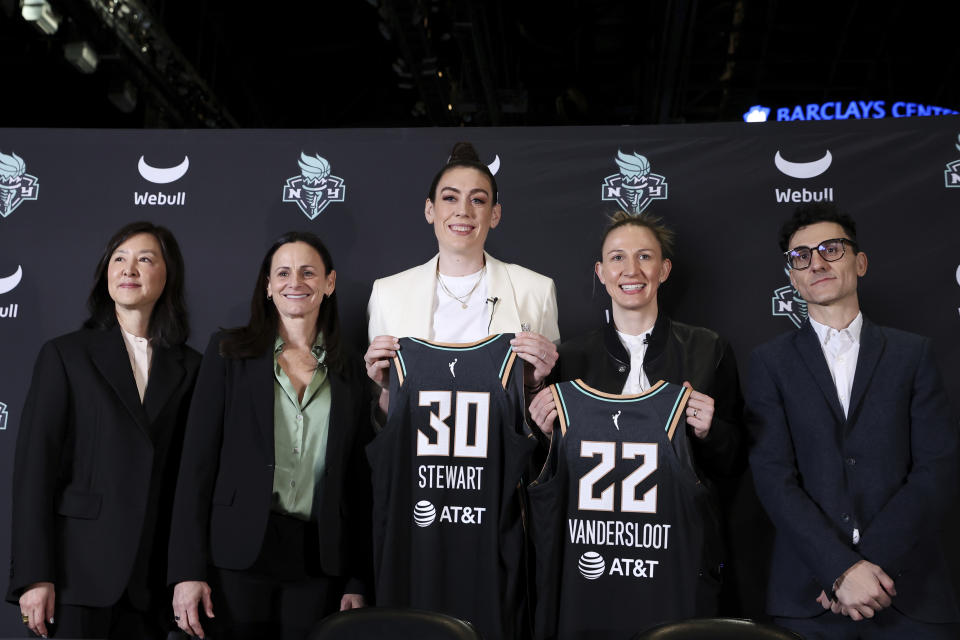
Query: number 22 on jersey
(588, 501)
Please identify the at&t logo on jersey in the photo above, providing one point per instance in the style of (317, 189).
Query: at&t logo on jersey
(315, 188)
(161, 175)
(16, 185)
(951, 177)
(592, 565)
(7, 284)
(787, 302)
(424, 513)
(803, 171)
(635, 187)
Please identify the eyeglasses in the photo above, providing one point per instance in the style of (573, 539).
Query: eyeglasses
(830, 250)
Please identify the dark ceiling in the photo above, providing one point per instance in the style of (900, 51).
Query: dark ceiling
(388, 63)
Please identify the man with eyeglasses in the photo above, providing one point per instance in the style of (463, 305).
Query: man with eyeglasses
(854, 457)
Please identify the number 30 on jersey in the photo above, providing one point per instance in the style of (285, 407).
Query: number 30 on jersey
(466, 402)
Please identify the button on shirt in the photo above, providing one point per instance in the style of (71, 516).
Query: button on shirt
(300, 429)
(636, 346)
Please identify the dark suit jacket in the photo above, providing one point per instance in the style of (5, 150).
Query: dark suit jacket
(225, 488)
(91, 468)
(889, 469)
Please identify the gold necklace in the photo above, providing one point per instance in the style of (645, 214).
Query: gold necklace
(465, 298)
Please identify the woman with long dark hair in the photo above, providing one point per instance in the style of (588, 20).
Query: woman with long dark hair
(271, 524)
(98, 448)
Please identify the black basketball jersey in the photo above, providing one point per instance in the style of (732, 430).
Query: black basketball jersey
(619, 516)
(448, 533)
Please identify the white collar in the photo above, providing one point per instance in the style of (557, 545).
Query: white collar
(825, 333)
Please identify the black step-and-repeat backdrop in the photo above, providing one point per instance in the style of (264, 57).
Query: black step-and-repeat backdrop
(724, 188)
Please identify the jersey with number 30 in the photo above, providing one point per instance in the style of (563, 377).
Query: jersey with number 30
(448, 534)
(620, 516)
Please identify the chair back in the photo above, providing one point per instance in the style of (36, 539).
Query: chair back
(717, 629)
(394, 624)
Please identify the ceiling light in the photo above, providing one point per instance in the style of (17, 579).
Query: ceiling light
(41, 14)
(81, 55)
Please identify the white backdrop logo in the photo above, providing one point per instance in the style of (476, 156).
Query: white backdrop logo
(787, 303)
(315, 188)
(951, 177)
(161, 175)
(3, 417)
(635, 187)
(7, 284)
(16, 185)
(803, 171)
(958, 280)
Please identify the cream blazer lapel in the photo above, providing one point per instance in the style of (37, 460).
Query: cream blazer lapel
(505, 316)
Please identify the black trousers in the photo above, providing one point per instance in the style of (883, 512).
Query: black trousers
(282, 595)
(122, 621)
(888, 624)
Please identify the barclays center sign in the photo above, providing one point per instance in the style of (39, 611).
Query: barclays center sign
(836, 110)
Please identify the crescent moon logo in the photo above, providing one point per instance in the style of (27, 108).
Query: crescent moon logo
(803, 170)
(10, 282)
(495, 165)
(160, 175)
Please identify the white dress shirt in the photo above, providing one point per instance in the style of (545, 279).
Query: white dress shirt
(140, 353)
(841, 349)
(636, 346)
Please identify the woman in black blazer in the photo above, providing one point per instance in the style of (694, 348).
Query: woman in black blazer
(271, 524)
(98, 449)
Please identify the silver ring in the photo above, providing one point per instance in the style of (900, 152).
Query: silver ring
(695, 412)
(543, 355)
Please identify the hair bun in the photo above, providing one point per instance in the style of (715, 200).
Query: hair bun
(463, 151)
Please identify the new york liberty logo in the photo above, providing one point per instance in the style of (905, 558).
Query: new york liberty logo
(635, 187)
(16, 185)
(787, 302)
(315, 188)
(951, 177)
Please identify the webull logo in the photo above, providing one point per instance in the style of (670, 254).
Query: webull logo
(150, 199)
(7, 284)
(803, 171)
(161, 175)
(804, 195)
